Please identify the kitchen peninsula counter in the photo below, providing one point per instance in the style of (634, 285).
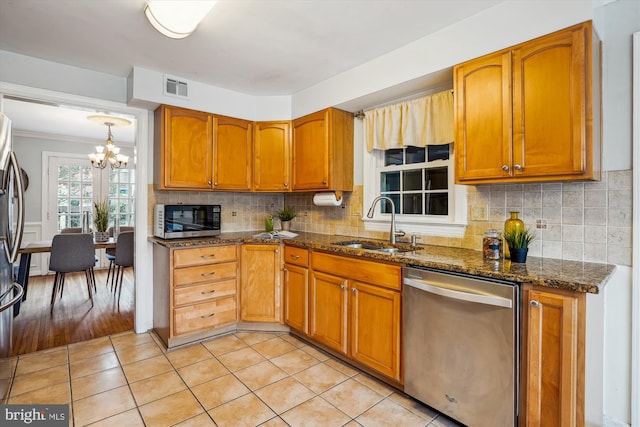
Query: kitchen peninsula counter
(555, 273)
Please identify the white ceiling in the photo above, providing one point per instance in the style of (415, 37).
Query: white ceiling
(257, 47)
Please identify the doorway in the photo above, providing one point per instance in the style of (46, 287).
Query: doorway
(141, 277)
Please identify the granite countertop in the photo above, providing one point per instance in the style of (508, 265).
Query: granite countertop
(561, 274)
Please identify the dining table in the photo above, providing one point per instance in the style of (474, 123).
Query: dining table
(38, 247)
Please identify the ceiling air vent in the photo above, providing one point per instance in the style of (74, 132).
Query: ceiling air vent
(174, 86)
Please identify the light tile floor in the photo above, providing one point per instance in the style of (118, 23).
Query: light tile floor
(243, 379)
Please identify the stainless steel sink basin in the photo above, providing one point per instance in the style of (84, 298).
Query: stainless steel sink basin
(369, 246)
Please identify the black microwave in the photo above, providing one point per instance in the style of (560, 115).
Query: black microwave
(181, 221)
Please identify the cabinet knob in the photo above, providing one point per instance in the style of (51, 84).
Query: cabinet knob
(209, 182)
(353, 290)
(341, 286)
(534, 303)
(284, 269)
(324, 182)
(286, 184)
(517, 167)
(505, 168)
(215, 184)
(277, 251)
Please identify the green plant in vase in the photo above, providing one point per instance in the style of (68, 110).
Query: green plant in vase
(518, 241)
(286, 214)
(101, 220)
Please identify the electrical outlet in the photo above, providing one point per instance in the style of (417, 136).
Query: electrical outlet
(479, 212)
(541, 224)
(234, 213)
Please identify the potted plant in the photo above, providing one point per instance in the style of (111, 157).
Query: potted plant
(286, 214)
(518, 241)
(101, 220)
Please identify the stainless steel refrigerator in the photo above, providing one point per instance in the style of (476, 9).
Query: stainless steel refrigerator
(11, 227)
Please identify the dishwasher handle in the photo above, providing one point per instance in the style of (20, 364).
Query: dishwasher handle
(459, 295)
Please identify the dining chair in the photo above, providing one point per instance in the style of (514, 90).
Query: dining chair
(124, 259)
(110, 253)
(72, 252)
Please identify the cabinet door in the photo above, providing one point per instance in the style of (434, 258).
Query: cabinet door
(328, 310)
(550, 105)
(260, 283)
(184, 150)
(483, 118)
(272, 156)
(311, 152)
(232, 154)
(553, 360)
(374, 335)
(296, 297)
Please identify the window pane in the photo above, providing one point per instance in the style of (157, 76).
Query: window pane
(412, 203)
(412, 180)
(436, 179)
(436, 204)
(390, 181)
(415, 155)
(438, 152)
(393, 157)
(385, 206)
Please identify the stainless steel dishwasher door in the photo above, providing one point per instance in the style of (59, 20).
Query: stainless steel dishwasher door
(461, 346)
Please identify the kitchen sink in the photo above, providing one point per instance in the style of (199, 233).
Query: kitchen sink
(372, 246)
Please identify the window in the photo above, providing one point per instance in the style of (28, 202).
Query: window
(416, 179)
(74, 195)
(419, 180)
(122, 196)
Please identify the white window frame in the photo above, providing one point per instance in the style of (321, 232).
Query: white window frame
(452, 225)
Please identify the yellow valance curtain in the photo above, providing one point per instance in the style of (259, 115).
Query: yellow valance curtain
(418, 122)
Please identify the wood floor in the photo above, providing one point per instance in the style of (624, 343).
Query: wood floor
(73, 318)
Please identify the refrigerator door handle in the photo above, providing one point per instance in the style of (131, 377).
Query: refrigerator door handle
(17, 291)
(13, 245)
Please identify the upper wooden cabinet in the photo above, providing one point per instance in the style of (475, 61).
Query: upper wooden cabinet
(233, 154)
(272, 156)
(183, 150)
(530, 112)
(323, 151)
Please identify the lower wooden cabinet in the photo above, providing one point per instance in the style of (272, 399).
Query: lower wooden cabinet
(553, 358)
(194, 291)
(355, 309)
(260, 283)
(296, 288)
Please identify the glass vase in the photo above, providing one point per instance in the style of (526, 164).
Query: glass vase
(512, 224)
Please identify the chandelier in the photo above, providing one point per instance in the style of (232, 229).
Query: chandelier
(108, 154)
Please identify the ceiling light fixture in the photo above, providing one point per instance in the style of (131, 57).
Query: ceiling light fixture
(108, 154)
(177, 19)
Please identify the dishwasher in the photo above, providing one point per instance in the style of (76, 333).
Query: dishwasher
(461, 344)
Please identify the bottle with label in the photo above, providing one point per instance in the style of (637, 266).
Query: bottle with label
(492, 245)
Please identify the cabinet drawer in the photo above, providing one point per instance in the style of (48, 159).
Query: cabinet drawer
(377, 273)
(204, 273)
(297, 256)
(198, 293)
(207, 315)
(203, 255)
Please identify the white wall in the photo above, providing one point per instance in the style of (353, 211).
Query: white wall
(37, 73)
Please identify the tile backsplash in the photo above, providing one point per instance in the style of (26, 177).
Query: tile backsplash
(585, 221)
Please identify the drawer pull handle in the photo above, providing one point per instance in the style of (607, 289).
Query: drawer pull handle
(295, 256)
(208, 274)
(208, 256)
(208, 292)
(207, 315)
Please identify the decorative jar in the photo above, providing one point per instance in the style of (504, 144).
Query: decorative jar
(492, 245)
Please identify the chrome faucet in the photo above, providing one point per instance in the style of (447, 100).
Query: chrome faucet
(393, 233)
